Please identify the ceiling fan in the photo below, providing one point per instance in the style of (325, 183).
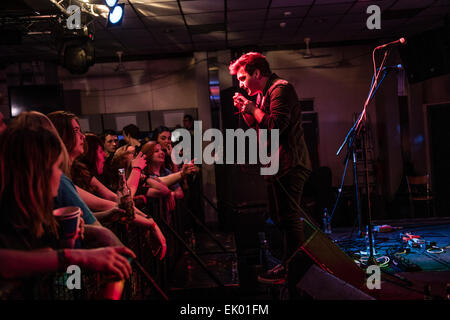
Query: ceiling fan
(308, 53)
(342, 63)
(120, 67)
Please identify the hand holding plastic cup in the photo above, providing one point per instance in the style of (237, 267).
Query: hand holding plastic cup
(69, 219)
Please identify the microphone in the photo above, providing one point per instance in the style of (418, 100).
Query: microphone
(400, 41)
(397, 67)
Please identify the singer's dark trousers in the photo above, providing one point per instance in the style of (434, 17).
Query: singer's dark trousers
(285, 194)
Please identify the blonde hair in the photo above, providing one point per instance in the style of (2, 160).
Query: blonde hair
(118, 161)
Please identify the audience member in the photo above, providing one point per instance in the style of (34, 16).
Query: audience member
(30, 171)
(69, 129)
(131, 135)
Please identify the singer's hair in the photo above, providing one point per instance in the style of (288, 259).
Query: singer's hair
(251, 61)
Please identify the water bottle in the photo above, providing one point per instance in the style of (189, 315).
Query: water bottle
(124, 197)
(193, 241)
(326, 222)
(234, 271)
(368, 242)
(263, 247)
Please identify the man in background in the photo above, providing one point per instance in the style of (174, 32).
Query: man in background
(131, 136)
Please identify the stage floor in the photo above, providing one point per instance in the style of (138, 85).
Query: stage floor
(408, 273)
(414, 269)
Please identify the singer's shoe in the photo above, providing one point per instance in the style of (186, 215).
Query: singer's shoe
(276, 275)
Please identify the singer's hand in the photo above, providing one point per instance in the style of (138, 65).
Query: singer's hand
(239, 100)
(243, 104)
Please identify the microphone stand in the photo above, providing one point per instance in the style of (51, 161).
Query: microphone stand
(351, 136)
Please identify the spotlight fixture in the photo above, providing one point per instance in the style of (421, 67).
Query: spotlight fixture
(116, 11)
(111, 3)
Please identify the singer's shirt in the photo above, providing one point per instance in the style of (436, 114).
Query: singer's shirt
(282, 110)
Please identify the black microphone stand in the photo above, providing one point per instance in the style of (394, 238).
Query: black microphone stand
(353, 134)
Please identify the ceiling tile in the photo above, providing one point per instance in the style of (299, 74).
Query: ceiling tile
(329, 10)
(361, 7)
(212, 36)
(176, 35)
(246, 15)
(247, 5)
(294, 12)
(157, 9)
(126, 33)
(131, 23)
(199, 6)
(274, 25)
(165, 21)
(205, 18)
(240, 43)
(210, 46)
(408, 4)
(321, 21)
(334, 1)
(243, 35)
(290, 3)
(246, 25)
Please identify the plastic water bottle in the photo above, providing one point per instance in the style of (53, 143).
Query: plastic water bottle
(263, 248)
(326, 222)
(368, 242)
(234, 271)
(192, 241)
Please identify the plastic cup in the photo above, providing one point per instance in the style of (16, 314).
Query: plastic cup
(69, 219)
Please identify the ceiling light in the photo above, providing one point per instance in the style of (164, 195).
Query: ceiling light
(111, 3)
(116, 15)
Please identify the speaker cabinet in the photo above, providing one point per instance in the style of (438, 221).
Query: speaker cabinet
(329, 257)
(321, 285)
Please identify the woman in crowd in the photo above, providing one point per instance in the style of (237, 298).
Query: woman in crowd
(67, 194)
(162, 136)
(30, 171)
(156, 170)
(69, 130)
(124, 158)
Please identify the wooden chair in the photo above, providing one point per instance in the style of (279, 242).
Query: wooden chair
(419, 190)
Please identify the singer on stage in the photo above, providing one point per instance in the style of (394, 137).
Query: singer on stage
(277, 107)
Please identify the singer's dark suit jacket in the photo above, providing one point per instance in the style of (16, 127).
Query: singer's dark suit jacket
(282, 110)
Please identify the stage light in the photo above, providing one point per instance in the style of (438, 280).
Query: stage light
(116, 14)
(111, 3)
